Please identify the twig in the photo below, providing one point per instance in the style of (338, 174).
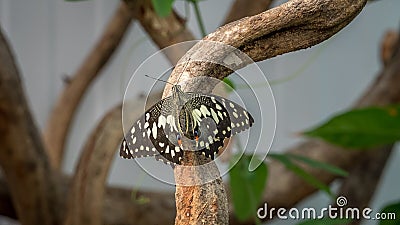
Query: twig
(56, 131)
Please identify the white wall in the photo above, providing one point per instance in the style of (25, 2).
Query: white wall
(50, 39)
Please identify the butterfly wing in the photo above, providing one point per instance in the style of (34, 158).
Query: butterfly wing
(147, 137)
(217, 118)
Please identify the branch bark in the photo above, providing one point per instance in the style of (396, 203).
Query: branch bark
(56, 131)
(22, 156)
(305, 22)
(86, 196)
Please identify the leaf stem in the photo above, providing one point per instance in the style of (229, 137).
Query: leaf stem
(198, 17)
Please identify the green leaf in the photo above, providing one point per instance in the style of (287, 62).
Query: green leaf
(247, 187)
(162, 7)
(230, 83)
(319, 165)
(361, 128)
(325, 221)
(287, 162)
(393, 210)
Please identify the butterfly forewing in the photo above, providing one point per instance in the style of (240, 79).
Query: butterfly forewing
(147, 135)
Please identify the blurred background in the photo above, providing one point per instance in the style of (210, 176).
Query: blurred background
(51, 38)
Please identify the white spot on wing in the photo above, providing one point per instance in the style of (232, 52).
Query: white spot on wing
(167, 149)
(161, 121)
(235, 115)
(204, 110)
(214, 115)
(154, 130)
(220, 115)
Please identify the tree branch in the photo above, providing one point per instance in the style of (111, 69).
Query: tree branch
(370, 165)
(22, 156)
(164, 31)
(311, 22)
(86, 197)
(56, 131)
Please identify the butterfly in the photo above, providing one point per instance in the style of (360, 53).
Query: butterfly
(184, 121)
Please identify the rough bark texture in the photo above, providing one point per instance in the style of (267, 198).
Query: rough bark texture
(258, 36)
(200, 193)
(56, 131)
(22, 156)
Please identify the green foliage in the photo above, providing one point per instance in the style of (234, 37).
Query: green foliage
(361, 128)
(309, 178)
(247, 187)
(230, 83)
(162, 7)
(319, 165)
(391, 208)
(325, 221)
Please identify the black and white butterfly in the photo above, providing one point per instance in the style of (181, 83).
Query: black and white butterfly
(184, 121)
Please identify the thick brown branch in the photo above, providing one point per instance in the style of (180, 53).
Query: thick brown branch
(289, 27)
(22, 156)
(165, 31)
(56, 131)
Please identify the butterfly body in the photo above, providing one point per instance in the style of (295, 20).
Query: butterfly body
(184, 121)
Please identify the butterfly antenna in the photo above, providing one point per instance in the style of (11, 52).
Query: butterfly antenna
(158, 79)
(184, 68)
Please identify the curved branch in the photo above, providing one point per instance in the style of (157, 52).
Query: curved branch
(22, 156)
(164, 31)
(86, 197)
(56, 131)
(292, 26)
